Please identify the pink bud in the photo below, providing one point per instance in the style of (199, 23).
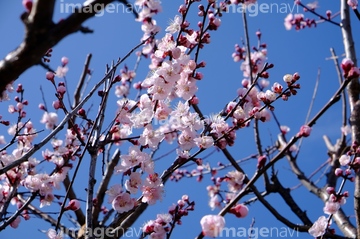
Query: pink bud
(19, 88)
(81, 112)
(42, 107)
(137, 85)
(176, 53)
(182, 9)
(27, 5)
(185, 198)
(240, 210)
(73, 205)
(56, 104)
(194, 100)
(201, 64)
(353, 73)
(16, 222)
(198, 76)
(20, 106)
(346, 65)
(338, 172)
(348, 172)
(50, 76)
(296, 76)
(330, 190)
(261, 161)
(192, 65)
(328, 14)
(284, 129)
(258, 34)
(245, 83)
(64, 60)
(305, 131)
(61, 89)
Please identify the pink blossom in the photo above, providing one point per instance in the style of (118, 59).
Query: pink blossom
(61, 71)
(319, 227)
(277, 88)
(170, 71)
(163, 219)
(134, 158)
(46, 200)
(239, 114)
(152, 194)
(121, 90)
(212, 225)
(175, 25)
(284, 129)
(166, 45)
(288, 78)
(123, 202)
(235, 180)
(344, 160)
(113, 192)
(204, 142)
(52, 234)
(331, 207)
(152, 189)
(133, 183)
(186, 139)
(160, 89)
(186, 87)
(162, 111)
(264, 83)
(218, 124)
(353, 3)
(141, 119)
(49, 119)
(2, 141)
(151, 137)
(214, 202)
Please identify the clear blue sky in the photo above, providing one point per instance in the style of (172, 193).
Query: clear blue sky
(290, 51)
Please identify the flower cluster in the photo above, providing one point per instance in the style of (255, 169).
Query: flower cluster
(234, 180)
(164, 223)
(298, 21)
(166, 94)
(337, 199)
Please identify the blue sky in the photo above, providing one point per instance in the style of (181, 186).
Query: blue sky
(290, 51)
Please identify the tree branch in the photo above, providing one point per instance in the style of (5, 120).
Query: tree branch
(41, 34)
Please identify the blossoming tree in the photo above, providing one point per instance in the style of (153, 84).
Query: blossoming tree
(113, 146)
